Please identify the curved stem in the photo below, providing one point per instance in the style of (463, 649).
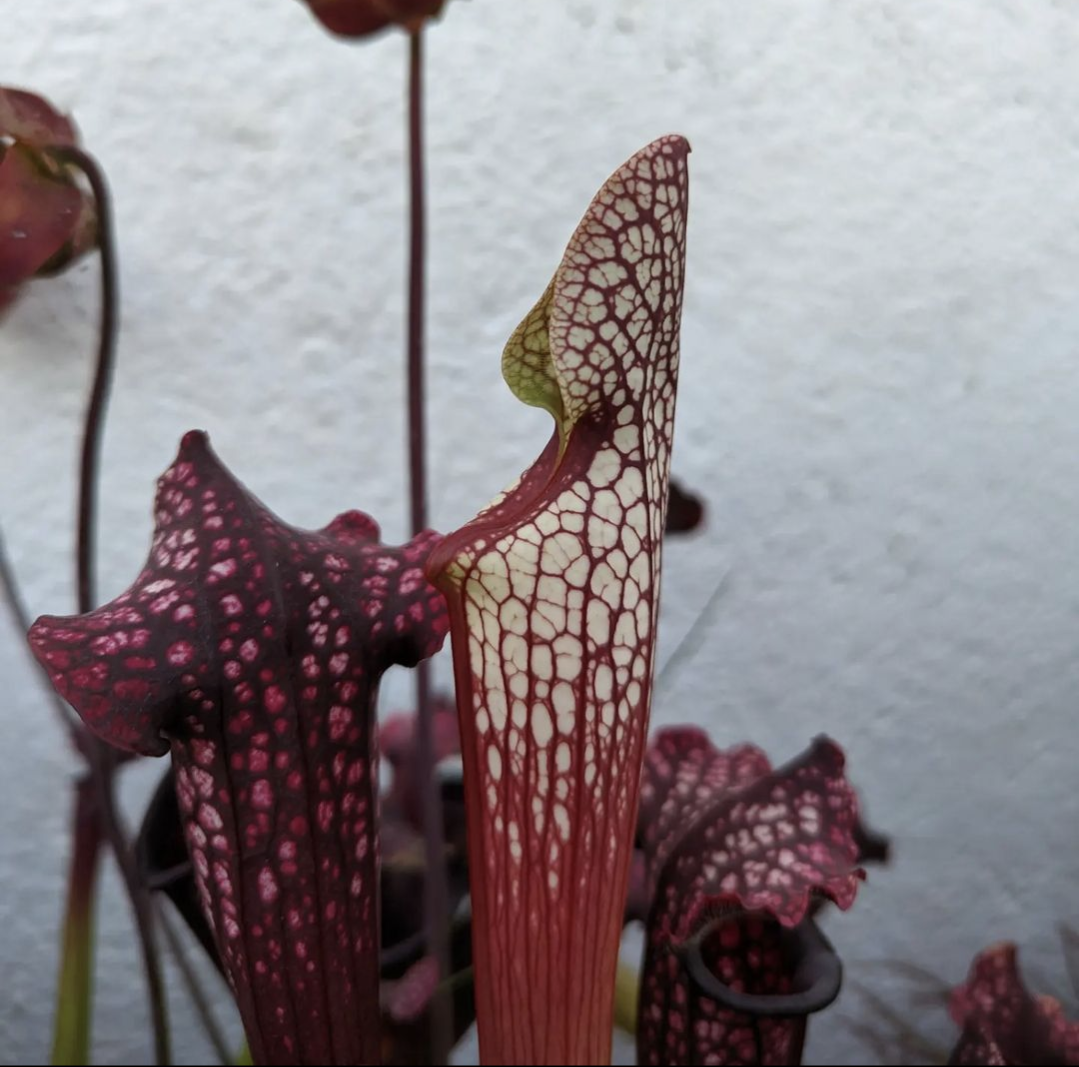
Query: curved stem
(436, 891)
(102, 764)
(74, 1009)
(818, 974)
(199, 1001)
(94, 422)
(101, 758)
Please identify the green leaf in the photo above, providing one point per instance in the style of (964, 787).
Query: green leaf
(627, 990)
(74, 996)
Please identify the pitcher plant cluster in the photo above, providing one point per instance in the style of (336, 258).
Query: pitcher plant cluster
(530, 816)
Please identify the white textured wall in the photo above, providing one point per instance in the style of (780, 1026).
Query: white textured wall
(879, 392)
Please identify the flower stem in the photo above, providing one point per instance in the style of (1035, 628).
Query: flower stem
(627, 991)
(199, 1000)
(436, 898)
(74, 999)
(102, 765)
(100, 757)
(94, 422)
(417, 444)
(74, 1014)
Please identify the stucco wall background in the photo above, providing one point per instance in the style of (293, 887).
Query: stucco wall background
(879, 390)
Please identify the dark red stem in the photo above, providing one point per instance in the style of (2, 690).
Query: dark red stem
(417, 444)
(101, 757)
(102, 764)
(436, 892)
(199, 1001)
(94, 422)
